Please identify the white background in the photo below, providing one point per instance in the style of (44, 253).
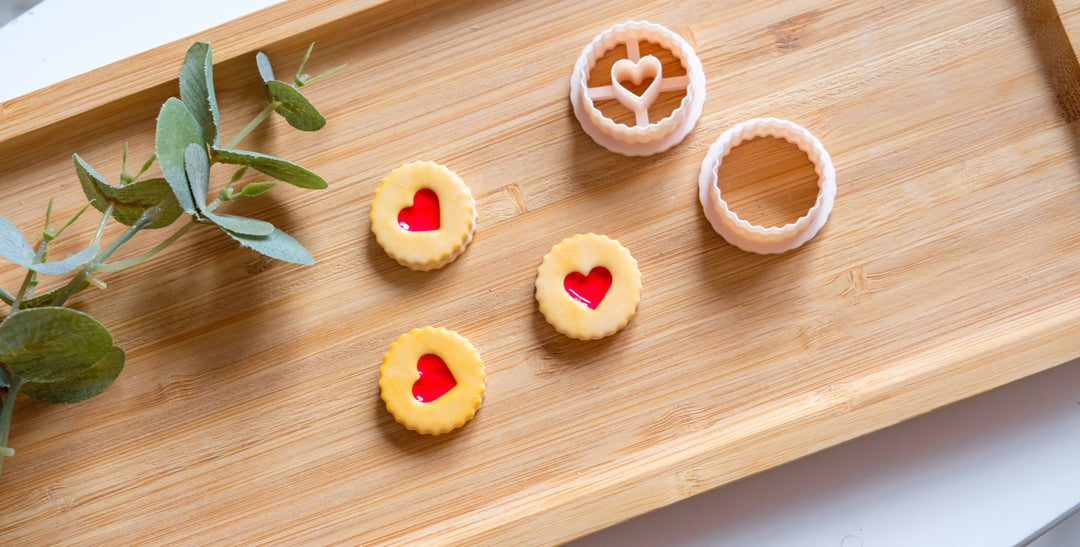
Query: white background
(992, 470)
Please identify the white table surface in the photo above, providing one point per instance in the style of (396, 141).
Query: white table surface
(991, 470)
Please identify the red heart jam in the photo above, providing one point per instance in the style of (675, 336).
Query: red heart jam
(435, 378)
(588, 289)
(423, 216)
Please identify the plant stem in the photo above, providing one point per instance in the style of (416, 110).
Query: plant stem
(102, 256)
(5, 417)
(121, 264)
(270, 108)
(101, 227)
(29, 279)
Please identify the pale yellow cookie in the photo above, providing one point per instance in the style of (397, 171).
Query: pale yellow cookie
(588, 286)
(423, 215)
(432, 380)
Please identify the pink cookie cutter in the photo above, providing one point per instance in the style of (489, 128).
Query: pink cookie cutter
(759, 239)
(646, 137)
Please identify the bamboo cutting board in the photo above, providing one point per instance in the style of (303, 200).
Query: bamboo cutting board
(249, 411)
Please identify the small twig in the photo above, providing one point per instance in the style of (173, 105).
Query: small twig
(266, 112)
(121, 264)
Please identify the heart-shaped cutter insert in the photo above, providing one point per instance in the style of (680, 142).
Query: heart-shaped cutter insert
(647, 136)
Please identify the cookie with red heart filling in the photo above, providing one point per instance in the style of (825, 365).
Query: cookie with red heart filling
(588, 286)
(432, 380)
(423, 215)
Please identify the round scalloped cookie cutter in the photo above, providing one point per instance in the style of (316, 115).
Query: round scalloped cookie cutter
(759, 239)
(645, 137)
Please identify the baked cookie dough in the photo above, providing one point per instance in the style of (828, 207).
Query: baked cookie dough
(423, 215)
(588, 286)
(432, 380)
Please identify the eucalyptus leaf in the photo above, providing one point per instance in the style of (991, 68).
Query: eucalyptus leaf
(81, 386)
(277, 245)
(129, 202)
(43, 299)
(265, 70)
(197, 167)
(197, 90)
(176, 130)
(241, 225)
(50, 344)
(295, 107)
(239, 174)
(13, 246)
(283, 170)
(256, 188)
(68, 264)
(198, 172)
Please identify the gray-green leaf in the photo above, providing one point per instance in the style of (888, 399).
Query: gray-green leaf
(68, 264)
(13, 246)
(256, 188)
(265, 70)
(198, 172)
(197, 167)
(81, 386)
(242, 225)
(277, 245)
(43, 299)
(176, 130)
(283, 170)
(295, 107)
(129, 202)
(50, 344)
(197, 90)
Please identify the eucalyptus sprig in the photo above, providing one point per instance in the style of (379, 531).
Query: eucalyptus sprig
(59, 355)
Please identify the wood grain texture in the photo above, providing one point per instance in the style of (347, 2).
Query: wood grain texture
(249, 412)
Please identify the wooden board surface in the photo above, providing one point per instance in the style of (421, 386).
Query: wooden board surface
(249, 410)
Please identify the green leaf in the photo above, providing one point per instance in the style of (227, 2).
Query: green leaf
(13, 246)
(265, 70)
(50, 344)
(239, 174)
(283, 170)
(146, 165)
(256, 188)
(129, 202)
(299, 79)
(198, 172)
(310, 81)
(197, 167)
(277, 245)
(296, 109)
(43, 299)
(197, 90)
(242, 225)
(68, 264)
(176, 130)
(81, 386)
